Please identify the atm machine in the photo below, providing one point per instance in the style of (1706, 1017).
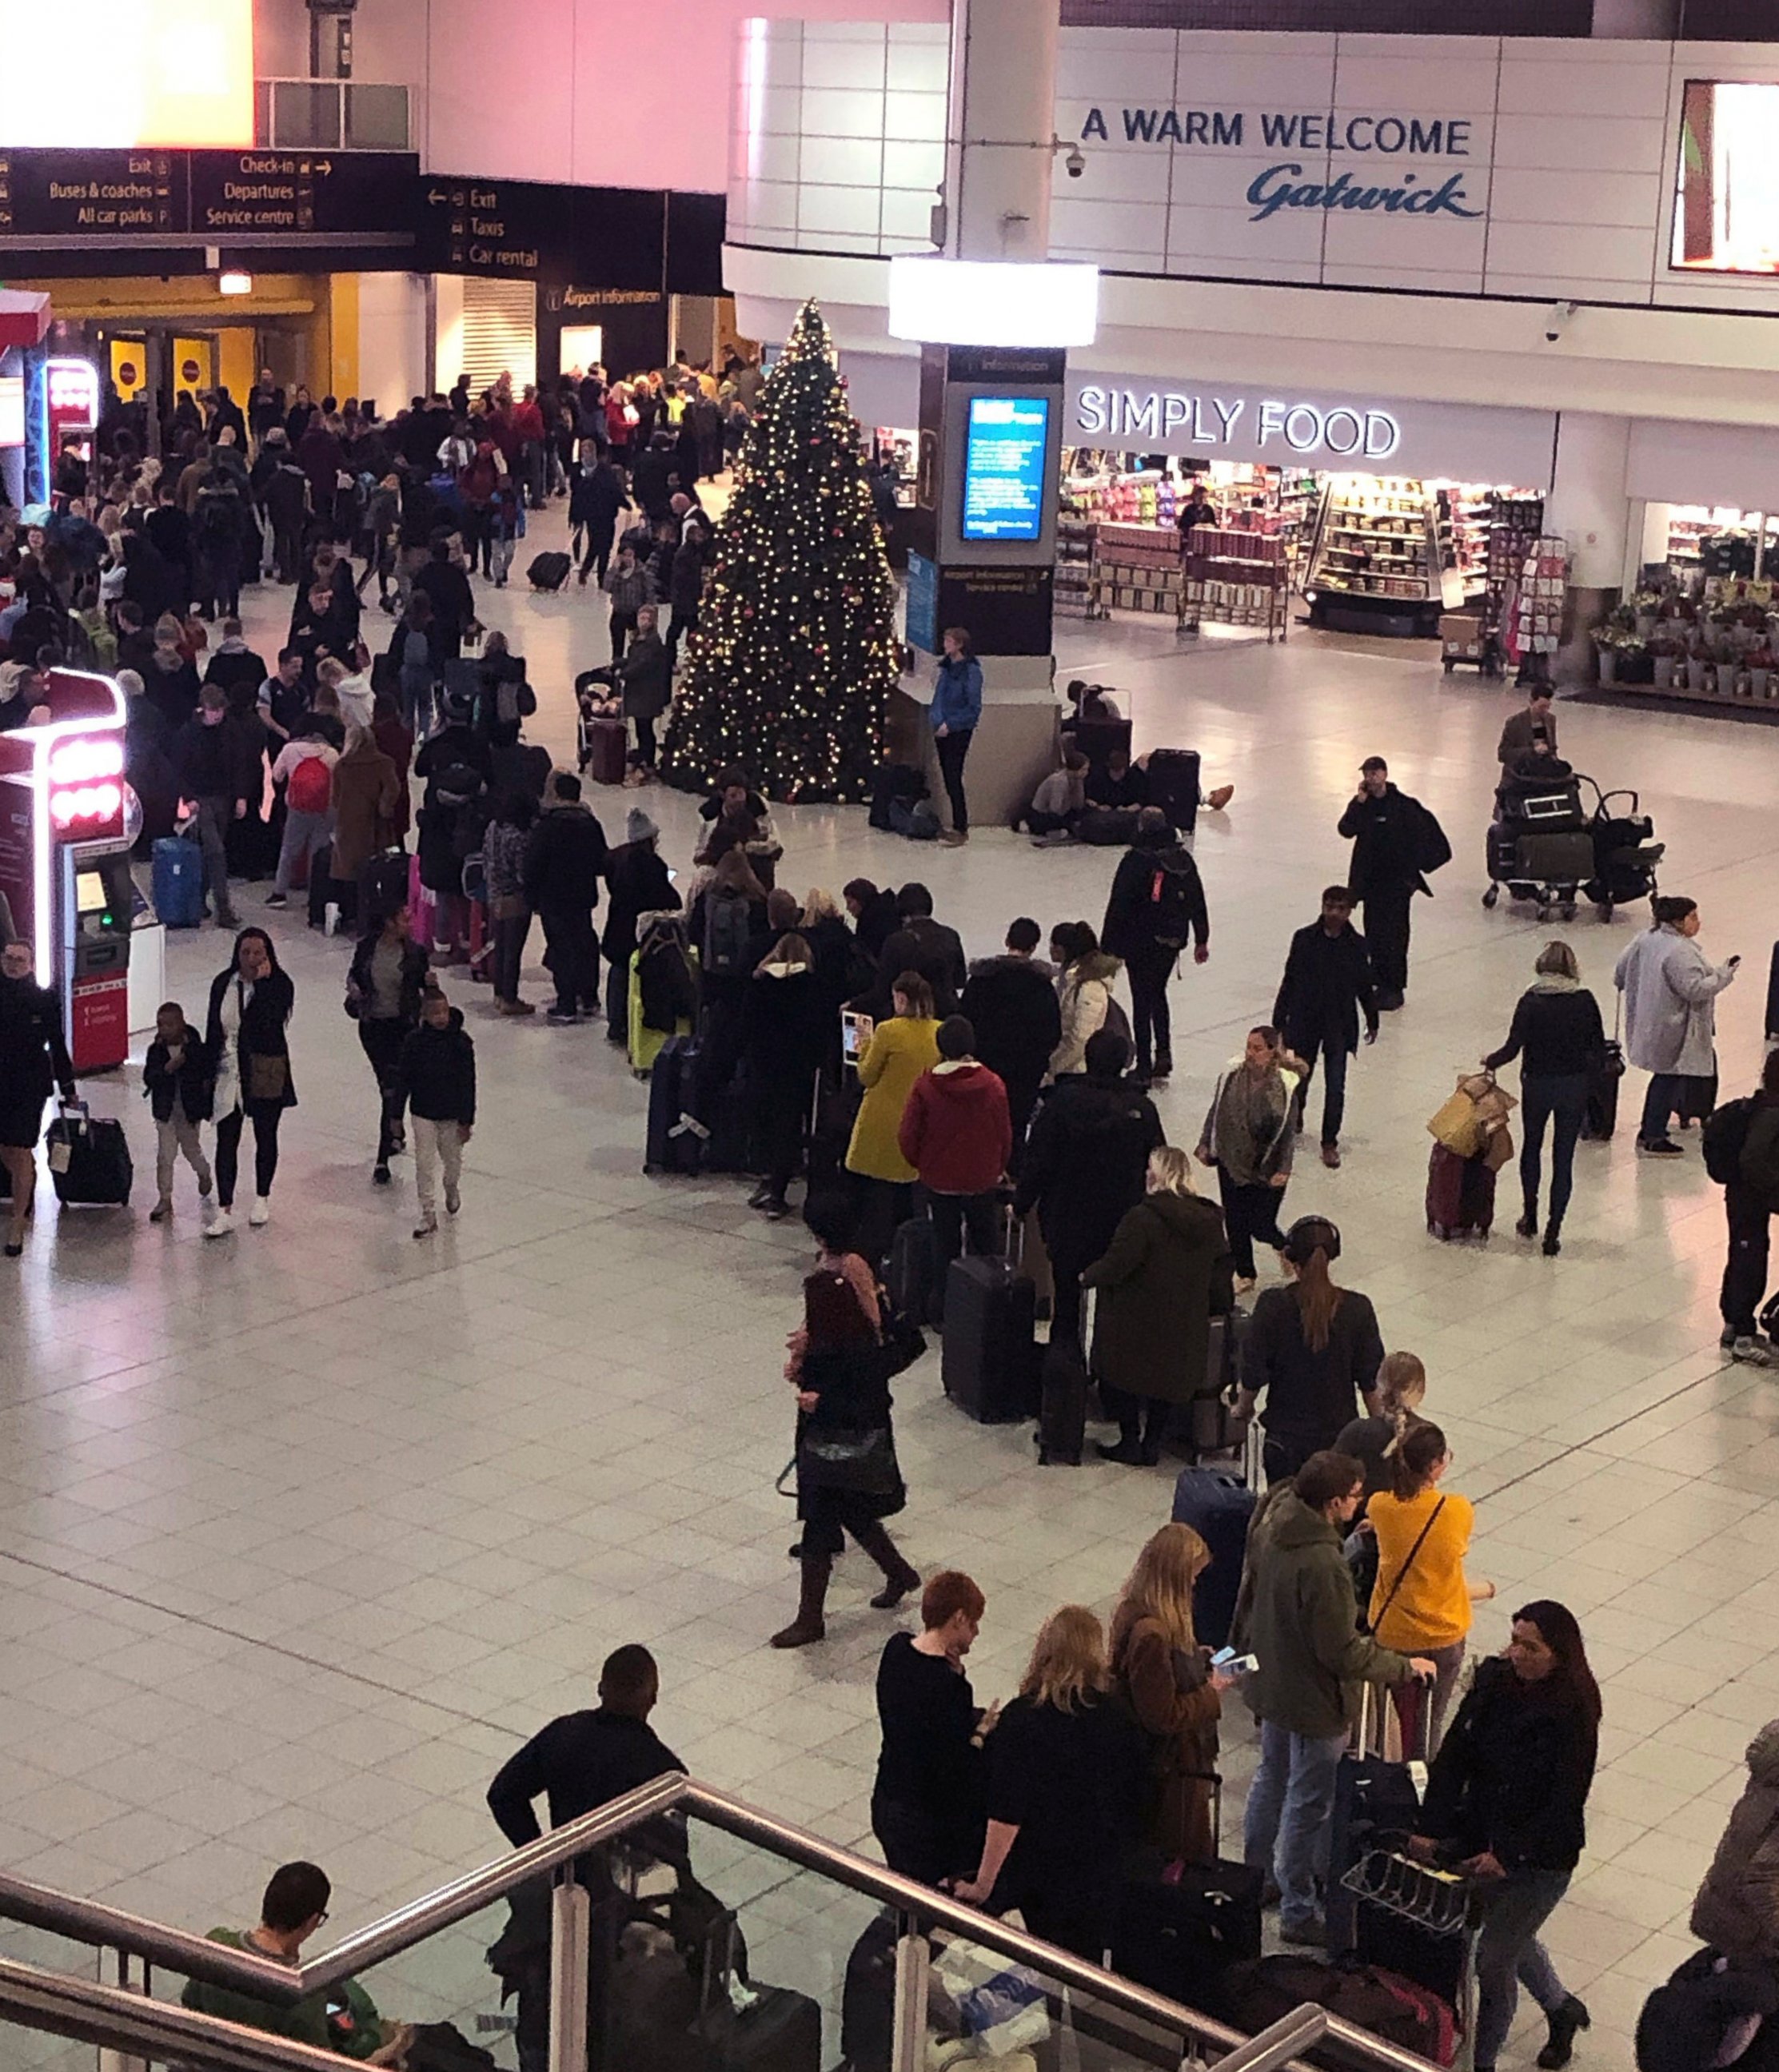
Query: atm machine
(72, 404)
(64, 858)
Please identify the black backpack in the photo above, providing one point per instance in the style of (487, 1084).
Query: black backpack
(1724, 1136)
(1168, 907)
(727, 929)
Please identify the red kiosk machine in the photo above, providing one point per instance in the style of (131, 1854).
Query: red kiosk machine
(64, 857)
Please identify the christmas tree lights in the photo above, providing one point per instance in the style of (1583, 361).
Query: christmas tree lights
(788, 672)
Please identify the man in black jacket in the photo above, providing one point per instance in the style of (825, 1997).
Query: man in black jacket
(1011, 1004)
(1395, 842)
(1086, 1163)
(924, 945)
(1157, 899)
(563, 865)
(210, 765)
(1327, 983)
(435, 1076)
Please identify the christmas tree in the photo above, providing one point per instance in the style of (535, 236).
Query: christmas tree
(789, 670)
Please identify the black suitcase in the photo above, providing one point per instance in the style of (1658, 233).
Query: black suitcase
(780, 2031)
(675, 1141)
(549, 571)
(867, 1998)
(89, 1161)
(1600, 1118)
(1181, 1938)
(1062, 1407)
(989, 1368)
(321, 884)
(1096, 739)
(382, 887)
(1173, 786)
(913, 1278)
(889, 781)
(733, 1144)
(1376, 1805)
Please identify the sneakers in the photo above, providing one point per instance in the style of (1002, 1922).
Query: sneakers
(427, 1227)
(1661, 1147)
(260, 1213)
(1310, 1935)
(278, 899)
(1163, 1067)
(761, 1195)
(1751, 1352)
(1126, 1453)
(220, 1225)
(562, 1017)
(454, 1200)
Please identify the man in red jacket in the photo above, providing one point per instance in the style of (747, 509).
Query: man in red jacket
(528, 428)
(958, 1135)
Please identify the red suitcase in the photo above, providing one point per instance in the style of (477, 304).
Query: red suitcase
(608, 745)
(1460, 1195)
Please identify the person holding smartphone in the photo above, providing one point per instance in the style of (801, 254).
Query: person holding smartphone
(1671, 990)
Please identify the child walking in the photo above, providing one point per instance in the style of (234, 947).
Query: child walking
(179, 1082)
(437, 1073)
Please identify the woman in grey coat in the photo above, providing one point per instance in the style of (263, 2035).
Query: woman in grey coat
(1670, 1022)
(1737, 1908)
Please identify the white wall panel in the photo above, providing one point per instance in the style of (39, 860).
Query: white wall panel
(1582, 143)
(842, 161)
(1625, 200)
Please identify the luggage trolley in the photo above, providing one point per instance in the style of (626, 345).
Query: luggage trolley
(1539, 846)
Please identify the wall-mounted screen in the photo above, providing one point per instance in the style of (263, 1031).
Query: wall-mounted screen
(1006, 485)
(81, 74)
(12, 409)
(1726, 218)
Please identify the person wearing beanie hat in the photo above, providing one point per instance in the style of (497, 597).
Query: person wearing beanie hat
(957, 1134)
(640, 883)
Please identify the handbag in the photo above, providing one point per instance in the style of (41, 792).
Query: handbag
(1401, 1573)
(507, 906)
(904, 1340)
(850, 1463)
(268, 1077)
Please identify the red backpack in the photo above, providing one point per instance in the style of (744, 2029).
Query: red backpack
(310, 789)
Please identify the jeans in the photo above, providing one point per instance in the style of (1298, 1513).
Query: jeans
(176, 1135)
(304, 835)
(1564, 1100)
(214, 818)
(1250, 1212)
(962, 1222)
(1509, 1954)
(1745, 1269)
(952, 748)
(1386, 912)
(382, 1039)
(1151, 966)
(1335, 1056)
(1659, 1104)
(228, 1130)
(1290, 1804)
(436, 1144)
(509, 951)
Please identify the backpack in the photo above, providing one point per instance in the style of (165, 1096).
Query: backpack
(1685, 2024)
(216, 519)
(726, 934)
(454, 785)
(1722, 1137)
(311, 786)
(514, 700)
(1169, 910)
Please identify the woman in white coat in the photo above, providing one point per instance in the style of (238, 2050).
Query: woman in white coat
(1671, 1021)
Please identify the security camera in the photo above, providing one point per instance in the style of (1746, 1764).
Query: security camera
(1075, 164)
(1556, 322)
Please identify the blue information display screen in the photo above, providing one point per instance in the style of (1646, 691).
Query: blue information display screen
(1005, 481)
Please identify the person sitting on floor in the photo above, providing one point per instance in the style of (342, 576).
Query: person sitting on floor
(1057, 804)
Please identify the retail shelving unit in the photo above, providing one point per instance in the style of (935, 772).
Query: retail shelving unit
(1237, 577)
(1379, 556)
(1136, 567)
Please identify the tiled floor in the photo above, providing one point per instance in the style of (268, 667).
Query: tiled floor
(299, 1533)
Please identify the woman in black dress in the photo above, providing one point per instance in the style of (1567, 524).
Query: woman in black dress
(34, 1059)
(847, 1479)
(927, 1805)
(250, 1008)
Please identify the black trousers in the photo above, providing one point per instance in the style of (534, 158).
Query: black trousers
(880, 1206)
(952, 749)
(961, 1221)
(509, 951)
(382, 1040)
(784, 1112)
(681, 623)
(1066, 1269)
(1562, 1101)
(1151, 966)
(571, 956)
(598, 555)
(645, 739)
(624, 624)
(1334, 1054)
(228, 1130)
(617, 996)
(915, 1843)
(1249, 1213)
(1141, 1419)
(1387, 934)
(1745, 1269)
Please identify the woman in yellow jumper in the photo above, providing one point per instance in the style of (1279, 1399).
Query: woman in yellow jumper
(1422, 1599)
(900, 1050)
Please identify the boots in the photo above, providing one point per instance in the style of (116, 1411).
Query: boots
(807, 1625)
(1571, 2016)
(900, 1577)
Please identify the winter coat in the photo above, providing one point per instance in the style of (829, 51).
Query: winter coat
(437, 1071)
(33, 1051)
(900, 1050)
(1327, 983)
(1670, 986)
(929, 947)
(1172, 1701)
(785, 1027)
(1013, 1008)
(194, 1083)
(1513, 1772)
(851, 1384)
(955, 1131)
(1275, 1155)
(1084, 997)
(1131, 906)
(1312, 1396)
(640, 884)
(1302, 1628)
(1557, 1033)
(1151, 1328)
(366, 795)
(212, 762)
(565, 861)
(957, 695)
(1519, 731)
(629, 589)
(261, 1033)
(1388, 835)
(1085, 1163)
(647, 677)
(1737, 1908)
(415, 964)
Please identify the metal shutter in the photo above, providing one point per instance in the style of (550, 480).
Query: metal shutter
(500, 331)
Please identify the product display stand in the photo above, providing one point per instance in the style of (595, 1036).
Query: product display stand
(1136, 567)
(1236, 578)
(1382, 558)
(1532, 608)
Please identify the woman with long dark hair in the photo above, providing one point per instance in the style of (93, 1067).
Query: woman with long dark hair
(251, 1003)
(383, 989)
(1506, 1804)
(1313, 1350)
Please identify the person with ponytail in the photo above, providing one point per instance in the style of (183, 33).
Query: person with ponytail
(1312, 1350)
(1506, 1804)
(1420, 1602)
(1399, 1392)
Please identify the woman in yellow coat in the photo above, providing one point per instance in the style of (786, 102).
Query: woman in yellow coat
(900, 1050)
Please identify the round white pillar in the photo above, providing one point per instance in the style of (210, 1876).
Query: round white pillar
(1589, 506)
(1003, 116)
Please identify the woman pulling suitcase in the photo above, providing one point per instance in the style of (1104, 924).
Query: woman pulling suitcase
(34, 1060)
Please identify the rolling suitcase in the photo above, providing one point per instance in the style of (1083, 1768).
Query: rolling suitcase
(1600, 1118)
(1219, 1504)
(1062, 1405)
(388, 882)
(675, 1141)
(607, 747)
(913, 1278)
(1179, 1934)
(179, 881)
(89, 1161)
(989, 1368)
(1460, 1195)
(778, 2031)
(548, 571)
(1377, 1802)
(1173, 786)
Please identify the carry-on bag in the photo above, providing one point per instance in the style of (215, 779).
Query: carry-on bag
(989, 1368)
(1260, 1993)
(1377, 1802)
(1420, 1925)
(89, 1161)
(1460, 1195)
(608, 749)
(1219, 1504)
(1599, 1118)
(178, 870)
(1173, 775)
(389, 882)
(913, 1279)
(1062, 1405)
(1180, 1933)
(548, 571)
(675, 1140)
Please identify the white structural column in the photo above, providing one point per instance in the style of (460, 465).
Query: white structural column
(1002, 119)
(1588, 506)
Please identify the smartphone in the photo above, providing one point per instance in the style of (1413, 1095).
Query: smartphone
(1235, 1665)
(855, 1033)
(1734, 962)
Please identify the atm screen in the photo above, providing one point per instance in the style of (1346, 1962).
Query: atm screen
(89, 892)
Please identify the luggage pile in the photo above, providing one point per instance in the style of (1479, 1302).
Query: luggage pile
(1471, 1143)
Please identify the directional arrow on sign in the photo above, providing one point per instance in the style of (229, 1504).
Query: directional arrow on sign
(436, 197)
(324, 167)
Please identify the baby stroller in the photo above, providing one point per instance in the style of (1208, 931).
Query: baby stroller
(1625, 853)
(1540, 846)
(597, 698)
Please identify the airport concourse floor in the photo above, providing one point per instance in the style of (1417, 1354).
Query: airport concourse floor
(301, 1531)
